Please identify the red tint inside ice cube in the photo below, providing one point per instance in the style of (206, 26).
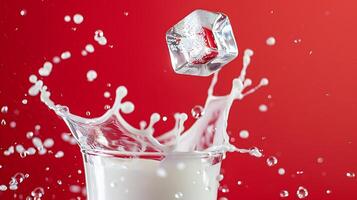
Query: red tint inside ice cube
(210, 43)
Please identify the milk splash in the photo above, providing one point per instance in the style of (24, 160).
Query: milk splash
(111, 133)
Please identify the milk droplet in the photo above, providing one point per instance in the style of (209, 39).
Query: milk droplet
(284, 193)
(197, 111)
(328, 191)
(75, 188)
(302, 192)
(91, 75)
(59, 182)
(24, 101)
(12, 124)
(3, 188)
(67, 18)
(66, 55)
(127, 107)
(38, 192)
(89, 48)
(239, 183)
(56, 59)
(23, 12)
(126, 13)
(49, 142)
(84, 53)
(3, 122)
(263, 108)
(271, 41)
(78, 18)
(4, 109)
(271, 161)
(59, 154)
(264, 82)
(244, 134)
(320, 160)
(178, 195)
(106, 94)
(350, 174)
(29, 134)
(17, 179)
(281, 171)
(224, 189)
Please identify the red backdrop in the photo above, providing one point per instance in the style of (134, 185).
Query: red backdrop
(313, 84)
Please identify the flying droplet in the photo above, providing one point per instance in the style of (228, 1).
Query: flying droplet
(38, 192)
(284, 193)
(23, 12)
(270, 41)
(271, 161)
(350, 174)
(302, 192)
(78, 18)
(91, 75)
(263, 108)
(59, 154)
(197, 111)
(4, 109)
(244, 134)
(281, 171)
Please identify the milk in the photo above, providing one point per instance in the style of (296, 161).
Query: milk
(175, 177)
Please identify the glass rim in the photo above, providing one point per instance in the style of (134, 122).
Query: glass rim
(112, 153)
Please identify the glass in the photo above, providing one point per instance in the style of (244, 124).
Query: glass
(114, 175)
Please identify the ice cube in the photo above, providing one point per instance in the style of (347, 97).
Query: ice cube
(201, 43)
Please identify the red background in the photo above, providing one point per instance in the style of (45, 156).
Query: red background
(313, 84)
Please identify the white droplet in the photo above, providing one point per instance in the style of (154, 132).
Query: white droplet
(281, 171)
(197, 111)
(56, 59)
(4, 109)
(239, 183)
(244, 134)
(24, 101)
(91, 75)
(89, 48)
(164, 118)
(38, 192)
(12, 124)
(23, 12)
(75, 188)
(302, 192)
(271, 161)
(67, 18)
(49, 142)
(46, 69)
(59, 154)
(284, 193)
(126, 13)
(350, 174)
(224, 189)
(263, 108)
(328, 191)
(106, 94)
(78, 18)
(66, 55)
(84, 53)
(271, 41)
(320, 160)
(3, 188)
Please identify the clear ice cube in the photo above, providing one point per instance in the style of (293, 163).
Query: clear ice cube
(201, 43)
